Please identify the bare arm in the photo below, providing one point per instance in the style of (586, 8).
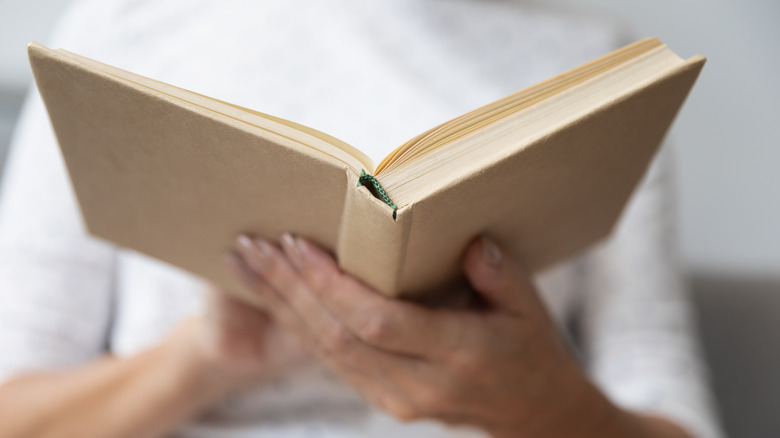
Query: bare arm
(150, 394)
(143, 396)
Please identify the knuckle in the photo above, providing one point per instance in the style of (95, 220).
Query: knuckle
(432, 402)
(469, 364)
(321, 352)
(272, 269)
(376, 330)
(338, 338)
(320, 280)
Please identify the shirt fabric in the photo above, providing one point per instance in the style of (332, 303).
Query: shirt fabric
(373, 74)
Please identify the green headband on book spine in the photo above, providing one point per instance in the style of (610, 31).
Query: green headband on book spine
(364, 177)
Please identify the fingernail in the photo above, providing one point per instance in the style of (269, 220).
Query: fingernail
(292, 250)
(287, 240)
(245, 241)
(491, 253)
(258, 253)
(253, 250)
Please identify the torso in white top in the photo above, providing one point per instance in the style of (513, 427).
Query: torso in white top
(373, 74)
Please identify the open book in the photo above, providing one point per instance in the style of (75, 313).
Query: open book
(545, 171)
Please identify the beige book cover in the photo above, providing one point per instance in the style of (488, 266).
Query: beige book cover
(178, 176)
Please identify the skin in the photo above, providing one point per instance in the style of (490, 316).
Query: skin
(151, 394)
(501, 367)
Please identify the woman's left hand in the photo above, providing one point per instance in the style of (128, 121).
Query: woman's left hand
(502, 367)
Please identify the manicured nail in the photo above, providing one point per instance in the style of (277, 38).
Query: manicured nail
(491, 253)
(292, 250)
(256, 252)
(245, 241)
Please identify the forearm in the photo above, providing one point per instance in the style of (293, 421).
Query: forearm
(622, 424)
(146, 395)
(585, 412)
(658, 427)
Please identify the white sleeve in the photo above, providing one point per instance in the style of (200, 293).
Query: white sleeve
(638, 326)
(55, 281)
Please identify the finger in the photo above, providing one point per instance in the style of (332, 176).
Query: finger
(333, 336)
(500, 280)
(263, 295)
(395, 382)
(386, 323)
(238, 266)
(278, 308)
(381, 379)
(383, 389)
(270, 265)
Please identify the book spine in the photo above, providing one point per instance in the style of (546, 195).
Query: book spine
(372, 238)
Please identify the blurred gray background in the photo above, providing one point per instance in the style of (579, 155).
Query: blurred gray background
(728, 160)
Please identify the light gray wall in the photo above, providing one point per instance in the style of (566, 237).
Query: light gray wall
(727, 135)
(20, 22)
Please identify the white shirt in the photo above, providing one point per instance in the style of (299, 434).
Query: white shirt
(373, 74)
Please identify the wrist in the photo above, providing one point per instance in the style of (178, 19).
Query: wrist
(584, 411)
(196, 363)
(572, 406)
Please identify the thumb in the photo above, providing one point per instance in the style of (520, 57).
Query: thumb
(497, 277)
